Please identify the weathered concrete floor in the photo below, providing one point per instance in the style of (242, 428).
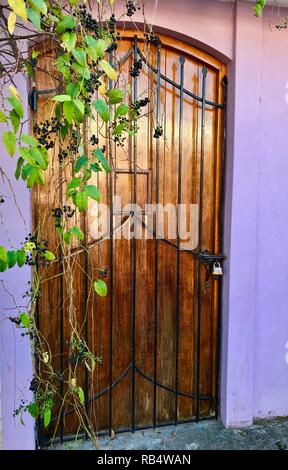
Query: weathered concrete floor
(208, 435)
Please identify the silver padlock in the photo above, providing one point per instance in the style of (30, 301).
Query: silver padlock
(217, 270)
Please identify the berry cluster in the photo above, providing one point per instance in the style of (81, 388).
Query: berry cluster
(34, 385)
(93, 83)
(103, 272)
(94, 140)
(78, 354)
(130, 8)
(137, 105)
(158, 132)
(58, 214)
(15, 320)
(137, 67)
(73, 143)
(38, 249)
(151, 38)
(21, 408)
(114, 37)
(45, 132)
(88, 21)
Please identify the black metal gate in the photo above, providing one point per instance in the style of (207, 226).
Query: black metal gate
(210, 120)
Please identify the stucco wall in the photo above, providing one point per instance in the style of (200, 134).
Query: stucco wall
(15, 358)
(254, 374)
(271, 326)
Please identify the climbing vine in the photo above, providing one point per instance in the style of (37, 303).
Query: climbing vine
(85, 40)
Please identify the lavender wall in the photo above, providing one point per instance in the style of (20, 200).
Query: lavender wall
(254, 374)
(271, 323)
(15, 359)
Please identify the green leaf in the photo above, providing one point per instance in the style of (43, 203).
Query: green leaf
(101, 47)
(81, 161)
(37, 156)
(87, 175)
(81, 395)
(15, 120)
(102, 109)
(67, 237)
(81, 200)
(93, 192)
(19, 7)
(77, 232)
(102, 159)
(49, 255)
(25, 320)
(21, 258)
(29, 140)
(47, 417)
(19, 168)
(11, 258)
(34, 17)
(121, 110)
(16, 105)
(82, 71)
(33, 409)
(100, 288)
(61, 98)
(91, 51)
(3, 254)
(80, 106)
(120, 128)
(40, 5)
(9, 140)
(25, 153)
(95, 167)
(2, 117)
(67, 22)
(79, 55)
(72, 89)
(115, 96)
(110, 72)
(68, 110)
(63, 65)
(3, 266)
(74, 183)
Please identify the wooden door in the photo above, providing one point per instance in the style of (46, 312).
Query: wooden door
(157, 329)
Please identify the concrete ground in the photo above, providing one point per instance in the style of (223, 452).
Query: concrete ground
(208, 435)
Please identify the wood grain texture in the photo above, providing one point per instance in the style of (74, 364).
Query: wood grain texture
(94, 310)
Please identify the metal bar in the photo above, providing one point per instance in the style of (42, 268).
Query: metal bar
(172, 390)
(156, 242)
(199, 293)
(61, 325)
(178, 260)
(134, 249)
(102, 392)
(61, 300)
(176, 85)
(221, 238)
(86, 267)
(111, 263)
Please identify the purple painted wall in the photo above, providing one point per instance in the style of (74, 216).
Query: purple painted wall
(15, 359)
(254, 373)
(271, 325)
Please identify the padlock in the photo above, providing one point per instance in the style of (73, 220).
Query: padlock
(217, 270)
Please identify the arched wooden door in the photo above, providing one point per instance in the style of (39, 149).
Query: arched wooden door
(157, 329)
